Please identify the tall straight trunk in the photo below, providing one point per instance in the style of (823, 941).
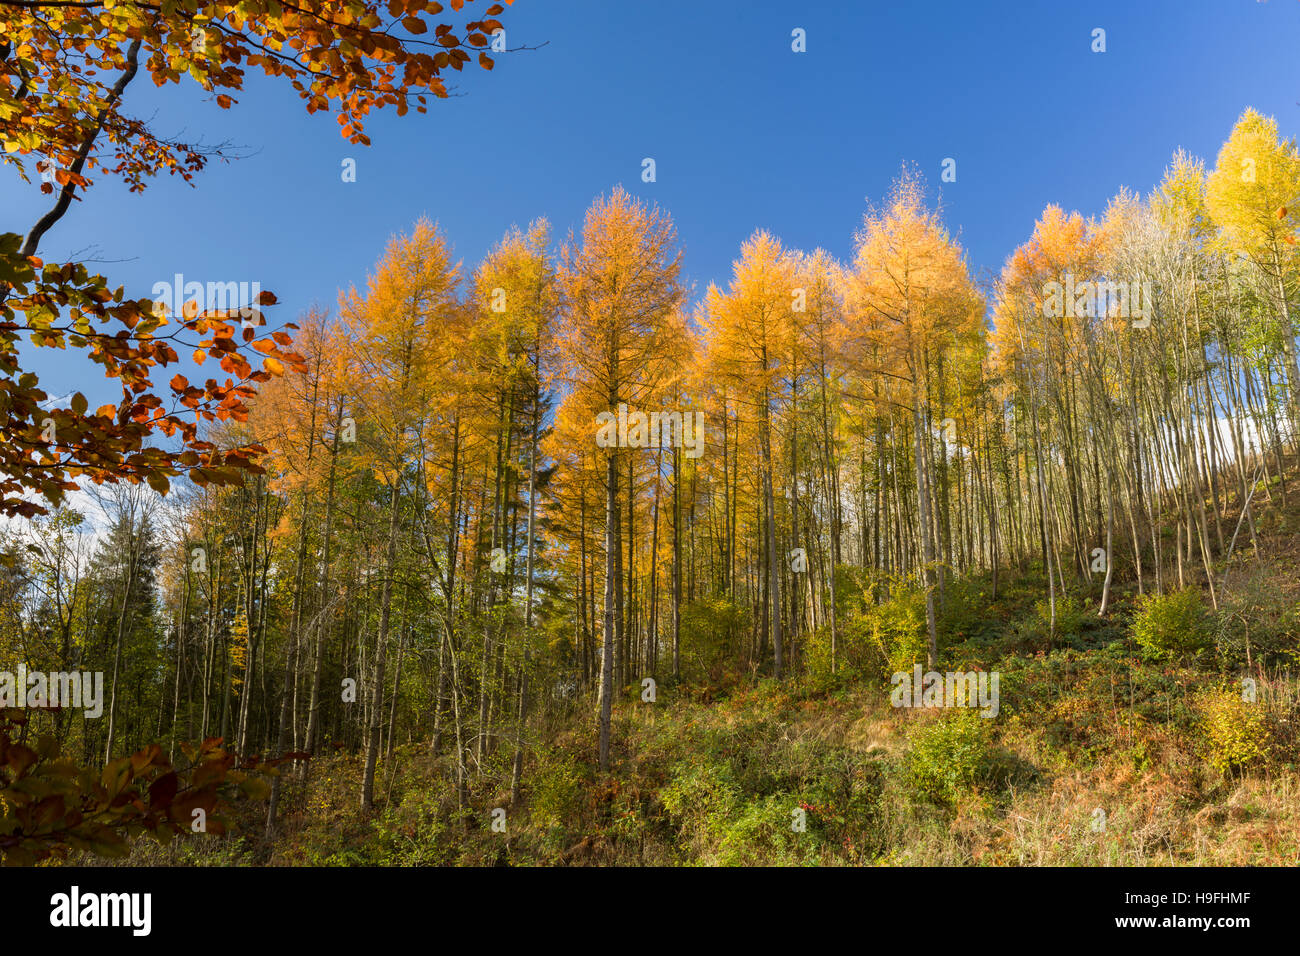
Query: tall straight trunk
(728, 536)
(831, 484)
(132, 557)
(625, 663)
(250, 615)
(397, 686)
(180, 631)
(583, 602)
(291, 654)
(652, 635)
(1110, 535)
(797, 606)
(621, 596)
(517, 767)
(923, 518)
(210, 645)
(1288, 350)
(381, 646)
(773, 565)
(735, 509)
(611, 573)
(318, 654)
(448, 585)
(677, 560)
(1044, 520)
(499, 492)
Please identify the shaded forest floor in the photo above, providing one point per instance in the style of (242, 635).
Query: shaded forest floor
(716, 784)
(1101, 754)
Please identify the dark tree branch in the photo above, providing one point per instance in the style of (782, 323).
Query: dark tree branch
(65, 195)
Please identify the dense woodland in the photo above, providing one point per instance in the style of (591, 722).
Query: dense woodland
(441, 556)
(398, 592)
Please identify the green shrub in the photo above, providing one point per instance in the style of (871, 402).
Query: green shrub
(885, 629)
(700, 799)
(760, 833)
(1070, 615)
(555, 790)
(1172, 625)
(850, 657)
(411, 833)
(898, 627)
(948, 756)
(855, 656)
(1236, 734)
(710, 634)
(1258, 623)
(881, 628)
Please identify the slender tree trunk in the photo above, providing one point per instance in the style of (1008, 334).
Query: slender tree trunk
(611, 573)
(381, 644)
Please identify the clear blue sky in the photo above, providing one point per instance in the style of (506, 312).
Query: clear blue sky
(745, 134)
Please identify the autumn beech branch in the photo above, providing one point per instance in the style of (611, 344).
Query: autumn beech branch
(71, 62)
(38, 4)
(65, 194)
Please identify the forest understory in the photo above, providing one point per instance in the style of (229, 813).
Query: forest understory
(552, 560)
(1092, 722)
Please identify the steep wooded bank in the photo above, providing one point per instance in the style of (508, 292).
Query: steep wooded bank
(455, 551)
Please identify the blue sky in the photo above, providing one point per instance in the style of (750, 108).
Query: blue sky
(745, 134)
